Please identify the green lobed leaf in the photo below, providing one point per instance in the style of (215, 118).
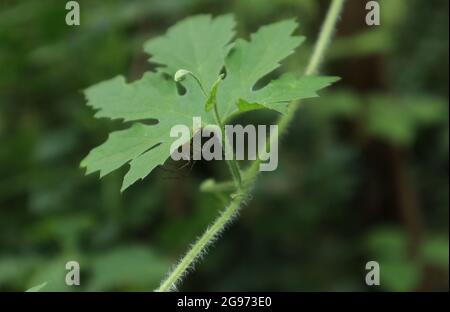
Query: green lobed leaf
(279, 93)
(199, 45)
(252, 60)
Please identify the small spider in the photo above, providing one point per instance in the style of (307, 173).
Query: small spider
(183, 171)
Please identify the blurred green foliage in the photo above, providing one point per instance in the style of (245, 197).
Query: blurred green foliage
(363, 172)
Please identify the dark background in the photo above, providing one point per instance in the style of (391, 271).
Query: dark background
(363, 171)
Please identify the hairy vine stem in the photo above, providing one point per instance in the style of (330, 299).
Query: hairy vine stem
(199, 247)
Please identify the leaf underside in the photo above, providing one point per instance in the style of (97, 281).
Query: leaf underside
(202, 45)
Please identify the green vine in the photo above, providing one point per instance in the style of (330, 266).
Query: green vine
(198, 249)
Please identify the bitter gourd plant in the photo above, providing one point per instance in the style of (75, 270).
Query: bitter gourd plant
(218, 76)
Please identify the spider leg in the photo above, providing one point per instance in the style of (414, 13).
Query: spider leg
(185, 165)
